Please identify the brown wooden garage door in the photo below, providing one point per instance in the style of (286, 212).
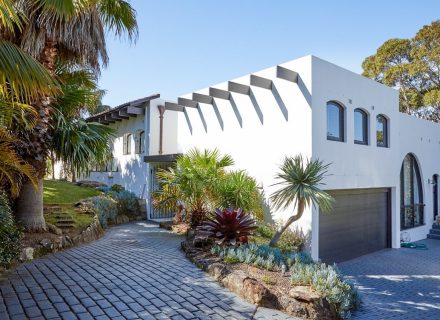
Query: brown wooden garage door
(359, 223)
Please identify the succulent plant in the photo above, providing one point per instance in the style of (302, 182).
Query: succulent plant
(230, 226)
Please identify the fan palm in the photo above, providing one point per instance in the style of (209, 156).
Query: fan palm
(192, 183)
(300, 187)
(50, 31)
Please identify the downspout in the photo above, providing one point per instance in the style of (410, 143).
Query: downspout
(161, 113)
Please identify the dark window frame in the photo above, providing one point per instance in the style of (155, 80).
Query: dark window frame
(341, 137)
(364, 124)
(416, 208)
(141, 142)
(386, 125)
(435, 181)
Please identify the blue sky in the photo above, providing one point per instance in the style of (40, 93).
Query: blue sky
(187, 45)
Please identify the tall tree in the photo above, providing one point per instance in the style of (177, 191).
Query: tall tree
(68, 30)
(412, 66)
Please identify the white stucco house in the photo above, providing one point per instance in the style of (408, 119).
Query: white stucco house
(384, 164)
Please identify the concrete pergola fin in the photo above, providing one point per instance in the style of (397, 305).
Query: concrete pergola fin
(177, 107)
(226, 95)
(268, 84)
(287, 74)
(193, 104)
(247, 90)
(203, 98)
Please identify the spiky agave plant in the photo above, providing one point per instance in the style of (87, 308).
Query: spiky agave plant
(230, 226)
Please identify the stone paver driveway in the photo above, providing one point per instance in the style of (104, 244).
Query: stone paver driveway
(398, 283)
(136, 271)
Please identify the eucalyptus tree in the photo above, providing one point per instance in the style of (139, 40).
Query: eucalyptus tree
(300, 183)
(72, 31)
(413, 66)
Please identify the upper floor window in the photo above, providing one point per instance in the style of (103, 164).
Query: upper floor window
(382, 131)
(335, 121)
(140, 141)
(127, 143)
(360, 126)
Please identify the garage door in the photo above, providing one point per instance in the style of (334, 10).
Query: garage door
(359, 223)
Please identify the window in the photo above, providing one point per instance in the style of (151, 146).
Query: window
(335, 122)
(360, 127)
(140, 141)
(435, 194)
(382, 131)
(127, 144)
(411, 194)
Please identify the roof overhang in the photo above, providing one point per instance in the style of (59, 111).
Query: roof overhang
(123, 111)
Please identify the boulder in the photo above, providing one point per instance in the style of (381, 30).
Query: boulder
(27, 254)
(47, 244)
(90, 184)
(122, 218)
(54, 229)
(217, 270)
(304, 293)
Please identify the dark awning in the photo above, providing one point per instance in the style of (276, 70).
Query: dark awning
(162, 158)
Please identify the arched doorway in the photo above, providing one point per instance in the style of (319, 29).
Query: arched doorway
(411, 194)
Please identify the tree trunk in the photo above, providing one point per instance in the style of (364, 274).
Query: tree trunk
(52, 160)
(34, 149)
(29, 207)
(289, 221)
(73, 172)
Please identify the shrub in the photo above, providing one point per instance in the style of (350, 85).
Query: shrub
(106, 209)
(127, 202)
(10, 234)
(104, 189)
(228, 226)
(291, 240)
(117, 188)
(236, 189)
(327, 281)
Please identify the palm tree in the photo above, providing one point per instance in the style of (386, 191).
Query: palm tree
(72, 31)
(192, 183)
(300, 187)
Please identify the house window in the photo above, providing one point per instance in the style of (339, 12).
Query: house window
(360, 127)
(435, 194)
(382, 131)
(335, 122)
(140, 142)
(127, 143)
(411, 194)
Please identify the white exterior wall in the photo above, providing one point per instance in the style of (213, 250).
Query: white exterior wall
(132, 170)
(256, 147)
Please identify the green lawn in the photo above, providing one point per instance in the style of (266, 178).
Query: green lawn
(63, 192)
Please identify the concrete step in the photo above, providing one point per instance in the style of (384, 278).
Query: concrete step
(433, 236)
(436, 226)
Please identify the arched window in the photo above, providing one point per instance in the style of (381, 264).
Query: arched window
(360, 126)
(411, 194)
(127, 143)
(335, 121)
(382, 131)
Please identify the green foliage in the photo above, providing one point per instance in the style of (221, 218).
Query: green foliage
(106, 208)
(127, 202)
(59, 192)
(268, 280)
(262, 256)
(411, 65)
(10, 235)
(192, 182)
(291, 240)
(116, 187)
(237, 189)
(327, 281)
(228, 226)
(231, 259)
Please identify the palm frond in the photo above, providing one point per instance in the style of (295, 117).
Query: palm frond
(9, 17)
(299, 181)
(119, 17)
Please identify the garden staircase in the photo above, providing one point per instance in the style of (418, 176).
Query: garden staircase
(434, 233)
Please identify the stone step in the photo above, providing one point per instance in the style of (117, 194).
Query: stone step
(434, 232)
(436, 226)
(434, 236)
(51, 209)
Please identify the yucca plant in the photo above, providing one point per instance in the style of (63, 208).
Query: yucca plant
(230, 226)
(300, 183)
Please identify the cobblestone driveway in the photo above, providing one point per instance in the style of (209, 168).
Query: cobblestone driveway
(135, 272)
(398, 283)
